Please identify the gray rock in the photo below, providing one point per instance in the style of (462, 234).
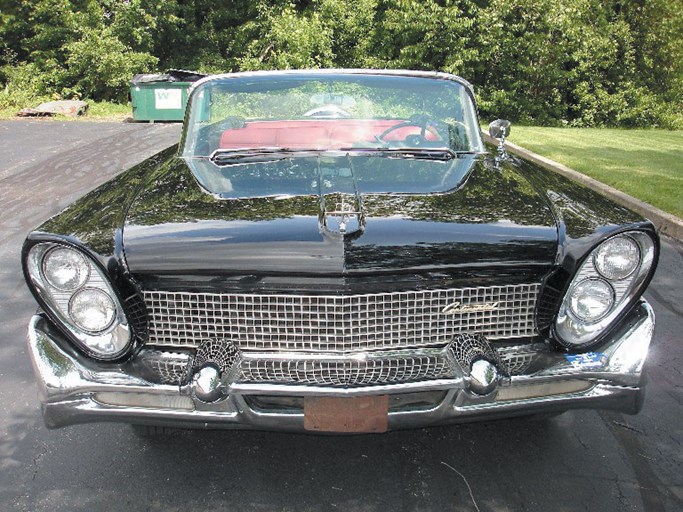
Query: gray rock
(64, 107)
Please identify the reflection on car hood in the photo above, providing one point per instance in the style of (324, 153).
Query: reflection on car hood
(341, 224)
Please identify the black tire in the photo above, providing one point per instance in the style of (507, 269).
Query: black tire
(152, 430)
(544, 416)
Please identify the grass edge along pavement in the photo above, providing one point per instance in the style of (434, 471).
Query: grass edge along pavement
(665, 222)
(643, 163)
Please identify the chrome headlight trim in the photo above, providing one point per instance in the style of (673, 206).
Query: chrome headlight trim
(575, 333)
(109, 343)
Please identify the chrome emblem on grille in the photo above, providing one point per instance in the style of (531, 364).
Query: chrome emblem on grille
(457, 307)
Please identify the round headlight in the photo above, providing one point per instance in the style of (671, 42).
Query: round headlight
(591, 299)
(617, 258)
(92, 310)
(65, 269)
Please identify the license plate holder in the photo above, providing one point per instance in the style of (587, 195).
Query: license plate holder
(364, 414)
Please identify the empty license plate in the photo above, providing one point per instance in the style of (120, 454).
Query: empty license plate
(357, 414)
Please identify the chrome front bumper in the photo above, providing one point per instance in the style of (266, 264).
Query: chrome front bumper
(74, 390)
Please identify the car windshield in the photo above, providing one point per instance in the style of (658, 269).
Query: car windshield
(239, 116)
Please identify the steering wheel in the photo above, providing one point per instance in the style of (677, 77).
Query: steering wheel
(422, 121)
(329, 111)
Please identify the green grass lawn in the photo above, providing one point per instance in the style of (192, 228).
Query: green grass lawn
(646, 164)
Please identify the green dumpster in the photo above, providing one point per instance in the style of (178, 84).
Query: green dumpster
(162, 96)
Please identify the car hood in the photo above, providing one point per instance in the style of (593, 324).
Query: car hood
(485, 216)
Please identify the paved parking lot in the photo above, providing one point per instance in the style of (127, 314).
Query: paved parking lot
(582, 460)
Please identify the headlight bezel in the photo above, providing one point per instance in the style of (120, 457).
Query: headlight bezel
(112, 343)
(574, 334)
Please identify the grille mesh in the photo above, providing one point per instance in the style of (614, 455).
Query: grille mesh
(347, 372)
(344, 323)
(517, 363)
(164, 367)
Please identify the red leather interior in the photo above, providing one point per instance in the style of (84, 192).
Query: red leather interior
(315, 133)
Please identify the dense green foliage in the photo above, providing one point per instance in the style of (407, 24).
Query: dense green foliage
(579, 62)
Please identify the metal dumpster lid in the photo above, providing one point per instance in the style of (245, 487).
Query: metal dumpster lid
(172, 75)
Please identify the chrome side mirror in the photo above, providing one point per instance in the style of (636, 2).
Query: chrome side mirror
(499, 130)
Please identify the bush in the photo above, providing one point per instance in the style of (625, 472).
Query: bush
(23, 87)
(100, 66)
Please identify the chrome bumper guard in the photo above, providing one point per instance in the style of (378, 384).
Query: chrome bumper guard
(74, 390)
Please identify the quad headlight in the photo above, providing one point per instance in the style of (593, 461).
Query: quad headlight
(591, 299)
(92, 309)
(65, 269)
(605, 284)
(617, 258)
(77, 294)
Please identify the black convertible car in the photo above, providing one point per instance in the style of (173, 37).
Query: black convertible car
(337, 251)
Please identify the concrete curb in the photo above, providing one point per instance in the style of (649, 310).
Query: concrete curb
(665, 222)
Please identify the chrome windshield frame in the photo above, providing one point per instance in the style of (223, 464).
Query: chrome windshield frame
(436, 75)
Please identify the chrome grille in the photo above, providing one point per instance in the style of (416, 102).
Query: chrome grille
(344, 323)
(519, 358)
(164, 367)
(517, 363)
(172, 370)
(347, 372)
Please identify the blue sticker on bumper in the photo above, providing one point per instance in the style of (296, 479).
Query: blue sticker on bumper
(587, 360)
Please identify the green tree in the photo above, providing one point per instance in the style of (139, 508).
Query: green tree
(557, 62)
(427, 35)
(288, 39)
(77, 47)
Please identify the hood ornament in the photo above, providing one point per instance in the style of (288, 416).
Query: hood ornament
(345, 212)
(342, 214)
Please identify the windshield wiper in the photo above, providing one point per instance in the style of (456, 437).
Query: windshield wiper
(225, 156)
(260, 154)
(404, 152)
